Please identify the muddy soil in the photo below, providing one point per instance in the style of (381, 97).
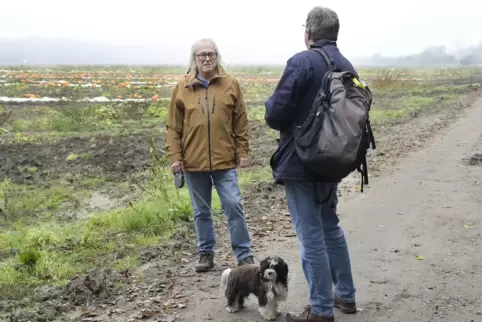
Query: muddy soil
(116, 157)
(112, 157)
(166, 288)
(98, 156)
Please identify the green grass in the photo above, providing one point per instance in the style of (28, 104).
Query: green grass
(256, 113)
(409, 105)
(75, 119)
(19, 201)
(402, 107)
(65, 249)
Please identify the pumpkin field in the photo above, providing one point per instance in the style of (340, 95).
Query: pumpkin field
(91, 223)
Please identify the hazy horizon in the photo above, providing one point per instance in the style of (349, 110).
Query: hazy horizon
(254, 33)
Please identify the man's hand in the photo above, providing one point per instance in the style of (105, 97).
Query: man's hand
(243, 162)
(177, 167)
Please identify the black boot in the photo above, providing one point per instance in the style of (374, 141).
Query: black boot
(205, 263)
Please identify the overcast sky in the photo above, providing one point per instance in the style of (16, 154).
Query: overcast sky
(250, 31)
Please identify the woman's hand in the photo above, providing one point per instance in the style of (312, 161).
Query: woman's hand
(177, 167)
(243, 162)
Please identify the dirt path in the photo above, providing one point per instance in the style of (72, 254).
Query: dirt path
(429, 206)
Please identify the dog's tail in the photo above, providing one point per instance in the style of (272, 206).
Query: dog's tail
(224, 281)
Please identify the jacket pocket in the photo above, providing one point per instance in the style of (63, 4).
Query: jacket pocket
(282, 151)
(274, 157)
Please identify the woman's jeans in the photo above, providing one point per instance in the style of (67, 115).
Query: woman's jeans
(226, 184)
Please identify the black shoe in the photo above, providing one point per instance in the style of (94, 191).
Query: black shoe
(205, 263)
(246, 261)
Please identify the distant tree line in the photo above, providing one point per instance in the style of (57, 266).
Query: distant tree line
(434, 56)
(474, 57)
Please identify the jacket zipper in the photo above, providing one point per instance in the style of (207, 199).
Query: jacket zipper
(209, 131)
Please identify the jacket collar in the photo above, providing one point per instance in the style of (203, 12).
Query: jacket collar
(192, 80)
(322, 42)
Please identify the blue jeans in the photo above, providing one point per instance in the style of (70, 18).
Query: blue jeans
(226, 183)
(324, 251)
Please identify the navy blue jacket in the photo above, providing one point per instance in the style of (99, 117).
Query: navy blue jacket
(292, 100)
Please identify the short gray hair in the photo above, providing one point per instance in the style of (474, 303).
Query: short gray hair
(323, 23)
(192, 59)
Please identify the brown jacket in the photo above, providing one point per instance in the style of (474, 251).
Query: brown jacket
(207, 129)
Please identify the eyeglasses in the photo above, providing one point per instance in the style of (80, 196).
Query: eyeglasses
(203, 56)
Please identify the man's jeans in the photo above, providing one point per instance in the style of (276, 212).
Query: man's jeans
(324, 252)
(226, 183)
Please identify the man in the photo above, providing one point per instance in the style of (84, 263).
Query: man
(207, 137)
(312, 202)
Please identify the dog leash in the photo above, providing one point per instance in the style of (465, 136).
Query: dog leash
(218, 215)
(179, 182)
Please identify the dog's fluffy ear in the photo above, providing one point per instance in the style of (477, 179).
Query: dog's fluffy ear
(264, 264)
(283, 268)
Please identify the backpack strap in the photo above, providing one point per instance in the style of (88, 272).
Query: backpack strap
(370, 133)
(328, 60)
(330, 63)
(363, 169)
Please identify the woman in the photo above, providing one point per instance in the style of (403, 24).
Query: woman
(207, 137)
